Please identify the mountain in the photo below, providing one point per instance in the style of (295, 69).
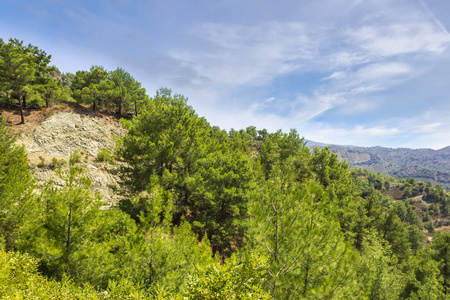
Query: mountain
(420, 164)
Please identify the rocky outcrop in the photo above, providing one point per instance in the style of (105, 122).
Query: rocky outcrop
(65, 133)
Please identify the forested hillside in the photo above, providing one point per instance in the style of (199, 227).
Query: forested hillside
(420, 164)
(204, 213)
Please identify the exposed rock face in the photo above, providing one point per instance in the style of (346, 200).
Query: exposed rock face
(65, 133)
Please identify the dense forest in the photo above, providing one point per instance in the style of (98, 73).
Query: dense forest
(205, 213)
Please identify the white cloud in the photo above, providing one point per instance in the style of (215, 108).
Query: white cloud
(401, 38)
(317, 105)
(427, 128)
(356, 106)
(335, 75)
(375, 77)
(240, 55)
(382, 70)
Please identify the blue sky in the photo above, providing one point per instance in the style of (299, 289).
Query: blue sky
(353, 72)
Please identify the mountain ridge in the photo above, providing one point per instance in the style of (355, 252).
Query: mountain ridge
(423, 164)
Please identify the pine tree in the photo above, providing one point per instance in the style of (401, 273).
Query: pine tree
(17, 203)
(17, 71)
(166, 135)
(441, 246)
(218, 199)
(64, 224)
(296, 227)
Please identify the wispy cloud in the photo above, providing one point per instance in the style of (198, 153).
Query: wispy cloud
(338, 71)
(249, 55)
(374, 77)
(399, 39)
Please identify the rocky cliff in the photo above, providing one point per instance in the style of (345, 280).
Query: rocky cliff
(67, 132)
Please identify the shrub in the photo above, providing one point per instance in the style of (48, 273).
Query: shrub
(104, 155)
(430, 226)
(56, 164)
(75, 157)
(41, 164)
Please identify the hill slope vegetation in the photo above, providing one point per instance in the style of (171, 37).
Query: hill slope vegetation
(208, 214)
(420, 164)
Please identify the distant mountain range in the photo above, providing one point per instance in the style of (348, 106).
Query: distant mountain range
(420, 164)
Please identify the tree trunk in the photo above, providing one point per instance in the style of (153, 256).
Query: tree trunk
(69, 221)
(135, 107)
(306, 282)
(22, 119)
(120, 106)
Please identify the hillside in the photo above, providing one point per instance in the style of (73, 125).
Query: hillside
(200, 194)
(420, 164)
(185, 210)
(56, 133)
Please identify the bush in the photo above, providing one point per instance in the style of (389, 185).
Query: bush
(41, 164)
(407, 192)
(75, 157)
(56, 164)
(20, 279)
(104, 155)
(429, 226)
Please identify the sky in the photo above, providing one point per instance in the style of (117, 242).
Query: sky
(348, 72)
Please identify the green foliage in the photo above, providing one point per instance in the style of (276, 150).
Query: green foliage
(63, 225)
(235, 279)
(87, 86)
(382, 276)
(335, 177)
(164, 254)
(205, 214)
(423, 280)
(207, 172)
(114, 90)
(54, 92)
(251, 130)
(430, 226)
(16, 185)
(20, 280)
(104, 155)
(17, 71)
(75, 157)
(279, 150)
(296, 228)
(378, 273)
(25, 75)
(124, 289)
(57, 163)
(441, 254)
(128, 94)
(34, 96)
(407, 192)
(41, 164)
(167, 135)
(219, 198)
